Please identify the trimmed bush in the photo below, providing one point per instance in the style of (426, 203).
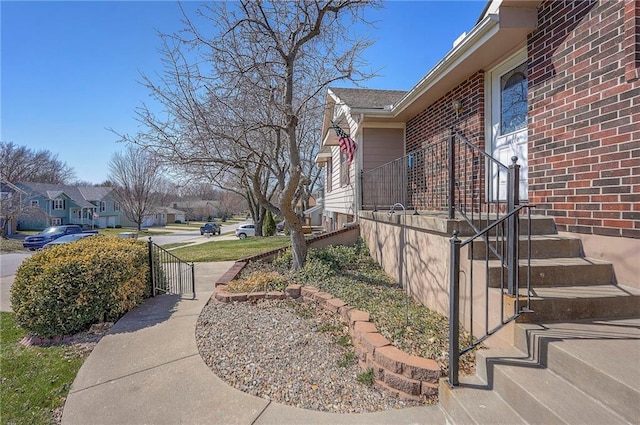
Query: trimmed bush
(269, 226)
(65, 289)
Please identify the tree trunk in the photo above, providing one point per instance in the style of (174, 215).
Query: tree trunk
(298, 247)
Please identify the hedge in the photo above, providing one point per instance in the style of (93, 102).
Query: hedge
(65, 289)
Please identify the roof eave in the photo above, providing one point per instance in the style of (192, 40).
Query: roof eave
(485, 29)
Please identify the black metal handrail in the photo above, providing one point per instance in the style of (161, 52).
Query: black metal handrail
(505, 234)
(453, 175)
(168, 273)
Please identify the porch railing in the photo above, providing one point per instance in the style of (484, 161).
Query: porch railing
(454, 176)
(169, 274)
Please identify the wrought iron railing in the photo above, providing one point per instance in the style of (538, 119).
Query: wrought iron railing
(169, 274)
(446, 175)
(455, 176)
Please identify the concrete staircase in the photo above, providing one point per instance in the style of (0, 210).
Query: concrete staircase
(574, 360)
(561, 373)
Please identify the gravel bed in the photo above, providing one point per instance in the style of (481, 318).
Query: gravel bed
(288, 352)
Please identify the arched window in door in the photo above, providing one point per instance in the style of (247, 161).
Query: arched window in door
(513, 100)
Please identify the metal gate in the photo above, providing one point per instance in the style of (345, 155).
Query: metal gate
(170, 274)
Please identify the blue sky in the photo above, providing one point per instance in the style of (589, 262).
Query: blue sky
(70, 70)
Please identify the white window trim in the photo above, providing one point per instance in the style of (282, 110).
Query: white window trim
(103, 206)
(57, 204)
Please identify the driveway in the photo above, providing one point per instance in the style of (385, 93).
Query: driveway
(9, 263)
(194, 236)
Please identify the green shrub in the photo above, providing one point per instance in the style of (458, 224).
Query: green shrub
(366, 378)
(283, 261)
(269, 225)
(65, 289)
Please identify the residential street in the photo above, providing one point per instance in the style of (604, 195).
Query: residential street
(10, 262)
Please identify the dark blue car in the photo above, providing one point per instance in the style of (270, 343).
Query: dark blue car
(50, 234)
(210, 228)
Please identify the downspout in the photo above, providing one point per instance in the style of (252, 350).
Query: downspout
(358, 198)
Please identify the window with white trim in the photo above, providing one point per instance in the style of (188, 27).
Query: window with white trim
(35, 203)
(103, 206)
(58, 204)
(116, 206)
(329, 173)
(5, 195)
(56, 222)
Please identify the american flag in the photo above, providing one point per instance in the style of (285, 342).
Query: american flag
(347, 144)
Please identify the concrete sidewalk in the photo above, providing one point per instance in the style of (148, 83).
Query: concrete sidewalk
(147, 370)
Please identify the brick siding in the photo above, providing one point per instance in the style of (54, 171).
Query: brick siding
(433, 124)
(584, 122)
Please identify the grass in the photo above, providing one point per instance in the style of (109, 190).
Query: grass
(175, 245)
(230, 250)
(366, 377)
(35, 380)
(11, 245)
(145, 232)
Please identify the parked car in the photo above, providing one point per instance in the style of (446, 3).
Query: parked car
(246, 230)
(280, 226)
(211, 228)
(52, 233)
(67, 239)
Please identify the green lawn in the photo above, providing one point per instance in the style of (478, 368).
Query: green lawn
(230, 250)
(35, 380)
(146, 232)
(11, 245)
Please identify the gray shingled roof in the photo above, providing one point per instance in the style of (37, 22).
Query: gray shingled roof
(368, 98)
(80, 195)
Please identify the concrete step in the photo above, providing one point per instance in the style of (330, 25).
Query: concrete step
(473, 403)
(542, 246)
(542, 397)
(567, 303)
(553, 272)
(602, 358)
(567, 373)
(540, 225)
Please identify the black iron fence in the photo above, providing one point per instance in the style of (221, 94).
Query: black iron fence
(170, 274)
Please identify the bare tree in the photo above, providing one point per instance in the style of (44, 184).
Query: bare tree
(18, 163)
(244, 105)
(136, 175)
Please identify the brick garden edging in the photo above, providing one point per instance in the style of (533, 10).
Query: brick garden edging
(408, 376)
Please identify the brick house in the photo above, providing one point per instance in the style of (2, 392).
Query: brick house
(551, 237)
(575, 127)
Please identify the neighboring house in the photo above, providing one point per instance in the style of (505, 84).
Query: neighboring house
(11, 205)
(199, 210)
(93, 206)
(313, 216)
(159, 216)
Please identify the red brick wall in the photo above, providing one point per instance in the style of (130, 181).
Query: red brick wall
(427, 179)
(433, 123)
(584, 122)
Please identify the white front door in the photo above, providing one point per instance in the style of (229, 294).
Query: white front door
(509, 123)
